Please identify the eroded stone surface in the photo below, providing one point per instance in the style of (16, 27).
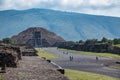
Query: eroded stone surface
(33, 68)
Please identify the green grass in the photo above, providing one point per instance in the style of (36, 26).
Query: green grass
(42, 53)
(109, 55)
(1, 78)
(118, 45)
(115, 67)
(80, 75)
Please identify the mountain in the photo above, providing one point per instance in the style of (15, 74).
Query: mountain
(69, 25)
(34, 35)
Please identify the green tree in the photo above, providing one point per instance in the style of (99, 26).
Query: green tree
(0, 41)
(116, 41)
(81, 41)
(8, 41)
(91, 41)
(104, 40)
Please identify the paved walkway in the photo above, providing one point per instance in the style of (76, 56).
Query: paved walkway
(33, 68)
(85, 62)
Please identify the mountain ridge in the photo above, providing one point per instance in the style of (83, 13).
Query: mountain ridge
(64, 24)
(36, 9)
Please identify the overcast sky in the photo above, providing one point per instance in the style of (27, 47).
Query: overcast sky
(97, 7)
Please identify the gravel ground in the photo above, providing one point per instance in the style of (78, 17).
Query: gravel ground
(33, 68)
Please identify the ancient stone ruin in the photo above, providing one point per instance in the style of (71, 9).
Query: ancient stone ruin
(37, 37)
(92, 47)
(9, 56)
(27, 50)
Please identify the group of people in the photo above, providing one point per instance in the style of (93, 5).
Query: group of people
(70, 57)
(65, 52)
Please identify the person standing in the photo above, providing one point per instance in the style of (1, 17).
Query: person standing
(71, 58)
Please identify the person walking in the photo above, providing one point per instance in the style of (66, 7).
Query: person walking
(96, 58)
(71, 58)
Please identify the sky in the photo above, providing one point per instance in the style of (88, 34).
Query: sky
(96, 7)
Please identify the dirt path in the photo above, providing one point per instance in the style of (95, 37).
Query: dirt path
(33, 68)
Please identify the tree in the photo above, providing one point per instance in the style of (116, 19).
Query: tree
(0, 41)
(91, 41)
(116, 41)
(81, 41)
(8, 41)
(104, 40)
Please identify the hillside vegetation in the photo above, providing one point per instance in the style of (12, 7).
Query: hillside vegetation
(64, 24)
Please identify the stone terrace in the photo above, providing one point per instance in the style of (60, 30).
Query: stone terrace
(33, 68)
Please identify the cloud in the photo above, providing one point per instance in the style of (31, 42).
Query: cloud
(84, 6)
(1, 2)
(99, 2)
(73, 3)
(21, 4)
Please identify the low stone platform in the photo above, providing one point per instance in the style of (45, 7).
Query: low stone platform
(33, 68)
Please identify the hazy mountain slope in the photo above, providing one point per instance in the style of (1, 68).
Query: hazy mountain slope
(70, 26)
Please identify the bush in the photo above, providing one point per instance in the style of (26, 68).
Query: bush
(8, 41)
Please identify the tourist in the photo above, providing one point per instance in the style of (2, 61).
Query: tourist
(96, 58)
